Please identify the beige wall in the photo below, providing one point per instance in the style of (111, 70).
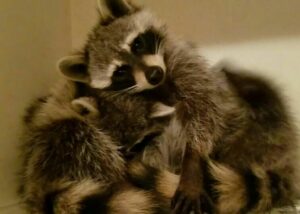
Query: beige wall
(209, 22)
(34, 34)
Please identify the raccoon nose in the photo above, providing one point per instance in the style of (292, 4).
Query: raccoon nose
(154, 75)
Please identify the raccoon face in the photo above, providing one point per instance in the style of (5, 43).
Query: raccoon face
(129, 120)
(124, 51)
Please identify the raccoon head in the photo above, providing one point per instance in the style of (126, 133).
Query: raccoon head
(131, 121)
(123, 52)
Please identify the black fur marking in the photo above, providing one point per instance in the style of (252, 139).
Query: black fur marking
(49, 201)
(118, 8)
(122, 78)
(80, 70)
(95, 204)
(32, 109)
(139, 147)
(81, 89)
(162, 93)
(275, 181)
(259, 94)
(147, 180)
(209, 182)
(162, 205)
(252, 188)
(146, 43)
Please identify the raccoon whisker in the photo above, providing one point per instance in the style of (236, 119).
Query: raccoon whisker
(157, 44)
(128, 89)
(160, 43)
(123, 91)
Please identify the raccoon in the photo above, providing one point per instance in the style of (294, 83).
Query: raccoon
(264, 148)
(131, 52)
(253, 169)
(260, 154)
(66, 150)
(146, 189)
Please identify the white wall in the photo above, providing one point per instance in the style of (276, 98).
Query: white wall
(278, 59)
(34, 34)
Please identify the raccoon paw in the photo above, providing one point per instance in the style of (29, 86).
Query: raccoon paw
(185, 202)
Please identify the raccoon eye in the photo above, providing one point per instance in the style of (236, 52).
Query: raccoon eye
(139, 45)
(122, 78)
(121, 71)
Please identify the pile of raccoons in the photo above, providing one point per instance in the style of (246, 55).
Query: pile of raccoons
(140, 125)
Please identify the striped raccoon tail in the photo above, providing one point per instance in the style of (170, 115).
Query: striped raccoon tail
(150, 190)
(68, 197)
(93, 197)
(255, 191)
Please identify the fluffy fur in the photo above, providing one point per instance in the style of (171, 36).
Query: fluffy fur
(240, 126)
(71, 145)
(93, 180)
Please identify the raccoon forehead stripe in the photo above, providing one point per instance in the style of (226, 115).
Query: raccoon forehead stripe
(104, 80)
(154, 60)
(145, 19)
(113, 66)
(100, 84)
(129, 39)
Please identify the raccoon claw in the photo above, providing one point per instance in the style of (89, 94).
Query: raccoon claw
(182, 203)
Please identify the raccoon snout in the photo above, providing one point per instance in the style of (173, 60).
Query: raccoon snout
(154, 75)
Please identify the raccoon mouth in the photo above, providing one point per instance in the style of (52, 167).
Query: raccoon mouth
(141, 145)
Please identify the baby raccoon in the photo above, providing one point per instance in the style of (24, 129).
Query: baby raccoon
(131, 52)
(259, 152)
(67, 141)
(146, 189)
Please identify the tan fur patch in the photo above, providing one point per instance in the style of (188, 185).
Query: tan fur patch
(231, 189)
(136, 169)
(265, 201)
(129, 39)
(132, 201)
(68, 201)
(155, 60)
(141, 81)
(167, 184)
(102, 80)
(87, 103)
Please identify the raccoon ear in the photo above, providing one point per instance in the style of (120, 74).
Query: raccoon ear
(85, 106)
(161, 110)
(110, 9)
(74, 68)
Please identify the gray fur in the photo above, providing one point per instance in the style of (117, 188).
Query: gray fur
(213, 118)
(67, 148)
(97, 184)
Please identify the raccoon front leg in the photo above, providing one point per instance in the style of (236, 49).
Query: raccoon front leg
(199, 137)
(191, 194)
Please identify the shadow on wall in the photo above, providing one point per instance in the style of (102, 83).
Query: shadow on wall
(208, 22)
(221, 22)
